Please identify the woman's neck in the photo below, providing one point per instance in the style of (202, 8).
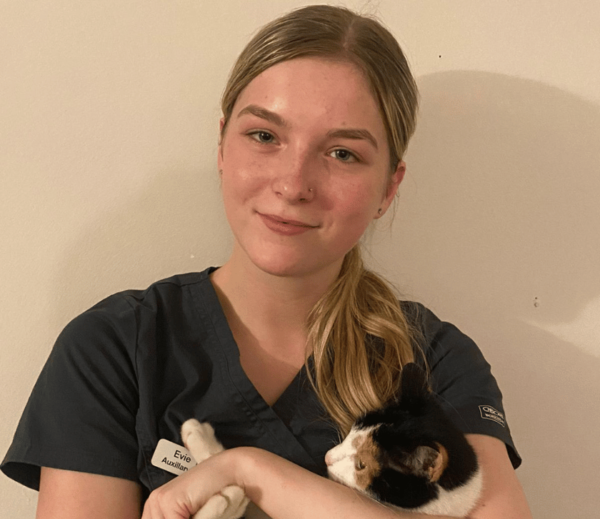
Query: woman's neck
(263, 300)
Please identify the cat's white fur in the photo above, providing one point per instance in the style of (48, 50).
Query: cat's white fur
(340, 459)
(458, 502)
(229, 503)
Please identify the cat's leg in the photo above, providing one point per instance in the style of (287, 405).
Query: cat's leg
(214, 508)
(230, 503)
(237, 502)
(199, 439)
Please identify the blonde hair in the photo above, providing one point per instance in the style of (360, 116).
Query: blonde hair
(357, 332)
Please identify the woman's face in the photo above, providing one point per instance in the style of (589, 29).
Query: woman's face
(305, 166)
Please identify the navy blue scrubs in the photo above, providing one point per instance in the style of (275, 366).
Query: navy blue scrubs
(129, 371)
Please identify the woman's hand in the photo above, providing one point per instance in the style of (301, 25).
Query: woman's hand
(183, 496)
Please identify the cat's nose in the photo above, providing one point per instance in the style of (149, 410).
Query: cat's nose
(328, 458)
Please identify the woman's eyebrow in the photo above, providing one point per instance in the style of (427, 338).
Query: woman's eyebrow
(263, 113)
(341, 133)
(352, 133)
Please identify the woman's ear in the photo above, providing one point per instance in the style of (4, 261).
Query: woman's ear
(396, 179)
(392, 188)
(220, 148)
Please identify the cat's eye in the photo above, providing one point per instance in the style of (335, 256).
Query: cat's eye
(358, 464)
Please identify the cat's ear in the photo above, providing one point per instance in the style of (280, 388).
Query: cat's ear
(413, 382)
(424, 461)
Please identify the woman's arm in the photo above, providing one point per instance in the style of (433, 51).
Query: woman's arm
(286, 491)
(65, 494)
(280, 488)
(502, 496)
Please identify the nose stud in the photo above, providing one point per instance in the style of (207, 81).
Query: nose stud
(303, 199)
(297, 193)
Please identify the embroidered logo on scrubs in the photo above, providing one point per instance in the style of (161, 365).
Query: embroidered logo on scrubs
(489, 413)
(172, 457)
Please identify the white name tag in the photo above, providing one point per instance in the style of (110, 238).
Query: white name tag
(172, 457)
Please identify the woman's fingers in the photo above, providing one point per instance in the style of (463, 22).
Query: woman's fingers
(212, 480)
(167, 502)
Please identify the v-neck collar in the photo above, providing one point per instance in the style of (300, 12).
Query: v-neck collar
(274, 420)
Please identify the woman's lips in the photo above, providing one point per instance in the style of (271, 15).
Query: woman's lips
(285, 227)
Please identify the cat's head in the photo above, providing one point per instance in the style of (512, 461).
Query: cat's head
(392, 439)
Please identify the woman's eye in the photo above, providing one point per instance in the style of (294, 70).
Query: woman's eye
(343, 155)
(262, 137)
(359, 465)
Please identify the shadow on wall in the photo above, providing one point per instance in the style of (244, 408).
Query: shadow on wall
(176, 224)
(498, 229)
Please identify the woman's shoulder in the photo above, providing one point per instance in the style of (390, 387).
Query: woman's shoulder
(162, 291)
(461, 376)
(117, 321)
(427, 325)
(445, 347)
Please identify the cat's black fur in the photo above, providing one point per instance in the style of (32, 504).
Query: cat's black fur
(414, 421)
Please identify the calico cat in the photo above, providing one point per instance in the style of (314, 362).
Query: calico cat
(409, 455)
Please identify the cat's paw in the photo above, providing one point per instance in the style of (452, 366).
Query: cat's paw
(199, 439)
(230, 503)
(237, 502)
(214, 508)
(201, 431)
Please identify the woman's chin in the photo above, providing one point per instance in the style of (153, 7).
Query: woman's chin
(293, 261)
(280, 268)
(291, 266)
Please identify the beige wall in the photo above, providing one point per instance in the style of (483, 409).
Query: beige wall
(108, 121)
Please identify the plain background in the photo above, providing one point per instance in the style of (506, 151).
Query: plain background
(108, 136)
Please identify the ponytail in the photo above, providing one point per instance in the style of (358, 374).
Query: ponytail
(360, 339)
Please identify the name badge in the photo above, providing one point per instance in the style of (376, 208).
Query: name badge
(172, 457)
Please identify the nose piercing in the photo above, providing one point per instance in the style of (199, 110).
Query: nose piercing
(303, 199)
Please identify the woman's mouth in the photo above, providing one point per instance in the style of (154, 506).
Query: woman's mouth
(284, 226)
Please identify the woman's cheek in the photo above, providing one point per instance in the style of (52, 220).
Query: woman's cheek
(252, 172)
(359, 199)
(242, 184)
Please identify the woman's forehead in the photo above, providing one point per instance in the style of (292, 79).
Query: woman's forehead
(322, 89)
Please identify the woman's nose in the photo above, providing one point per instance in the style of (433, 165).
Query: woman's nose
(296, 179)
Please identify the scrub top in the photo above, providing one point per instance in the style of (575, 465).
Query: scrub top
(130, 370)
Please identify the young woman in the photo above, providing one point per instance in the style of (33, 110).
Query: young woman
(317, 116)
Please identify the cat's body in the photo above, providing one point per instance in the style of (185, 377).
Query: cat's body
(407, 455)
(410, 455)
